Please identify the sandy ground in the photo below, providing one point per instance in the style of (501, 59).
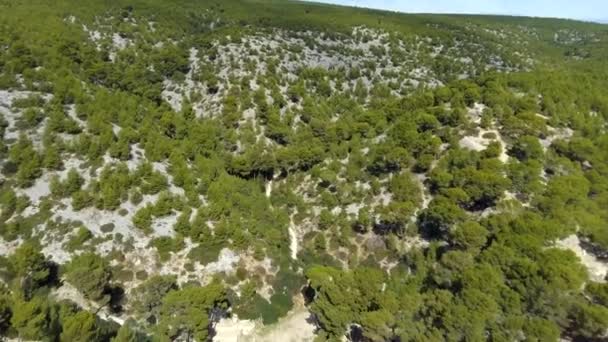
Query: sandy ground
(353, 208)
(556, 134)
(476, 112)
(234, 330)
(41, 187)
(479, 143)
(226, 262)
(596, 268)
(145, 259)
(294, 327)
(8, 247)
(163, 226)
(384, 198)
(415, 242)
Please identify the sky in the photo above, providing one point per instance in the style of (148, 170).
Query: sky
(581, 9)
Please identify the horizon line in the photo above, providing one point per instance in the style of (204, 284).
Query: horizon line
(327, 2)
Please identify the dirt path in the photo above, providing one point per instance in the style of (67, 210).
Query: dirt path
(293, 238)
(268, 189)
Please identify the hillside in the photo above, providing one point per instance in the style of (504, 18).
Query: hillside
(280, 170)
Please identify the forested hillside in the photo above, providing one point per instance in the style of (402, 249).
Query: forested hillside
(272, 170)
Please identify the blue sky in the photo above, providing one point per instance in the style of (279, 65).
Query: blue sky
(581, 9)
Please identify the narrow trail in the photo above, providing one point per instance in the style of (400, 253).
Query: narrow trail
(269, 184)
(293, 238)
(293, 233)
(269, 188)
(426, 196)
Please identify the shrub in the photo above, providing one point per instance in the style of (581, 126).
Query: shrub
(81, 199)
(107, 228)
(165, 245)
(77, 241)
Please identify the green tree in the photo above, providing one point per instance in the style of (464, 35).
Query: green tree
(527, 147)
(29, 261)
(5, 310)
(28, 171)
(90, 274)
(405, 188)
(33, 320)
(185, 313)
(147, 298)
(120, 149)
(52, 158)
(343, 298)
(539, 329)
(73, 182)
(598, 292)
(32, 268)
(81, 199)
(469, 235)
(590, 320)
(80, 327)
(143, 219)
(441, 214)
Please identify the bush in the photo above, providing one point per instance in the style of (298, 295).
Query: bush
(136, 197)
(141, 275)
(165, 245)
(143, 219)
(73, 183)
(107, 228)
(205, 253)
(81, 199)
